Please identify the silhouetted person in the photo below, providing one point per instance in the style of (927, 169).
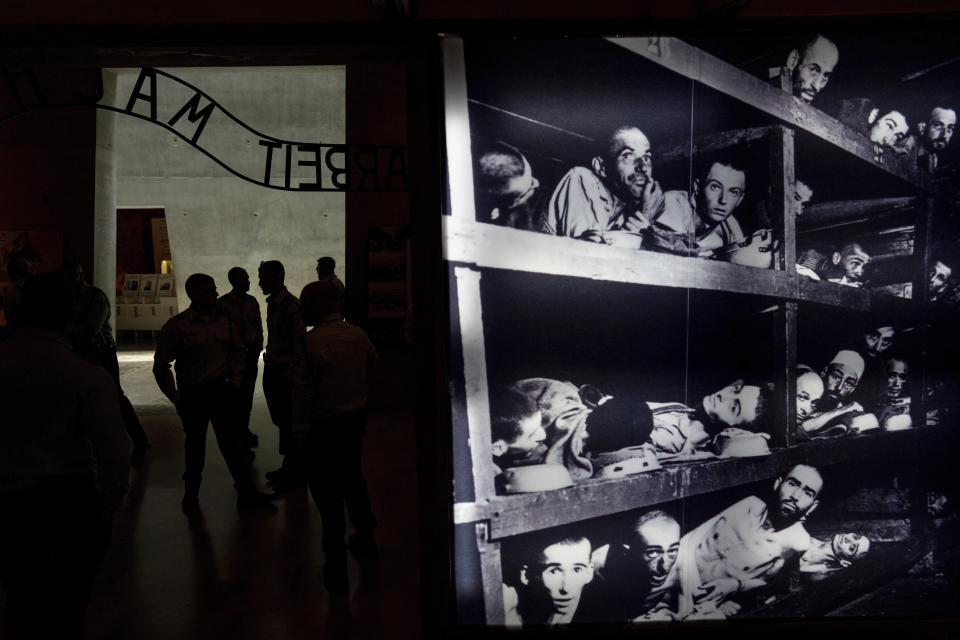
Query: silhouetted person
(64, 458)
(92, 337)
(284, 332)
(209, 365)
(19, 273)
(329, 410)
(325, 273)
(247, 324)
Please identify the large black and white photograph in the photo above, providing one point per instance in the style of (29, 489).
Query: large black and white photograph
(702, 355)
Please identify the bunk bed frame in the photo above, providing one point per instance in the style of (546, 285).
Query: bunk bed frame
(470, 247)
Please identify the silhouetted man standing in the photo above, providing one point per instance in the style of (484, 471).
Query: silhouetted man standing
(284, 331)
(247, 324)
(64, 458)
(209, 365)
(326, 267)
(330, 417)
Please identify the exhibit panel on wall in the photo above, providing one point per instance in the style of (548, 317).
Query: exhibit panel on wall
(700, 297)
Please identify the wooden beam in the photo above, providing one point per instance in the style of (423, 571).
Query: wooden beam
(510, 515)
(923, 249)
(850, 211)
(702, 67)
(470, 308)
(833, 294)
(487, 245)
(785, 378)
(456, 120)
(678, 150)
(491, 570)
(782, 206)
(491, 246)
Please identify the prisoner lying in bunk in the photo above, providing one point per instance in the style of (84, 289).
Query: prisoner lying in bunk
(540, 421)
(844, 265)
(836, 553)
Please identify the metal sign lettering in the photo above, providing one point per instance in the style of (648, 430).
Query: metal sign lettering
(191, 114)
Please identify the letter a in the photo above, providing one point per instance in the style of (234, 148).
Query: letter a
(149, 97)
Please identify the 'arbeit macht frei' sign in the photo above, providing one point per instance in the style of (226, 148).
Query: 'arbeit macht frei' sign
(192, 115)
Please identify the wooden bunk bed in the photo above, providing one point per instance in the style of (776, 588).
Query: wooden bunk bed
(473, 249)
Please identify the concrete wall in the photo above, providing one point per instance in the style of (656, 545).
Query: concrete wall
(216, 220)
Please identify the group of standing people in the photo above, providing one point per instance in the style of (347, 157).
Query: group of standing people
(65, 440)
(315, 384)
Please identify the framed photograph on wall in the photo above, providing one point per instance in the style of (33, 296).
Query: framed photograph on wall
(148, 284)
(131, 285)
(165, 285)
(690, 308)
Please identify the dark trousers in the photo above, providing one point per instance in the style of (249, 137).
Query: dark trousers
(52, 541)
(215, 403)
(278, 392)
(335, 475)
(247, 389)
(108, 360)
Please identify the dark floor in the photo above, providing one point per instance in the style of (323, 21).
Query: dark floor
(254, 575)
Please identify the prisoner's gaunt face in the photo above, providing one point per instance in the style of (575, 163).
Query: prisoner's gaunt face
(565, 570)
(897, 373)
(659, 542)
(840, 379)
(850, 546)
(814, 69)
(733, 406)
(720, 193)
(939, 274)
(809, 390)
(797, 492)
(939, 129)
(530, 435)
(852, 261)
(878, 340)
(629, 164)
(889, 129)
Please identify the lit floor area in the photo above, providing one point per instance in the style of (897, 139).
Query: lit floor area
(230, 574)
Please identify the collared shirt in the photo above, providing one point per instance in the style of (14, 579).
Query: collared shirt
(675, 432)
(582, 205)
(245, 319)
(284, 327)
(203, 347)
(679, 215)
(61, 416)
(331, 376)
